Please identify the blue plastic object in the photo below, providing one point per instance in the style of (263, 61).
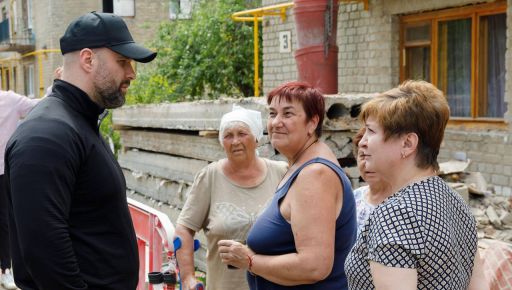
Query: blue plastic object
(177, 245)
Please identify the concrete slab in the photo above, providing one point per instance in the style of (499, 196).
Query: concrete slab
(173, 143)
(195, 116)
(341, 113)
(161, 165)
(173, 193)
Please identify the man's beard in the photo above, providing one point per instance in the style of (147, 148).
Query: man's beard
(108, 93)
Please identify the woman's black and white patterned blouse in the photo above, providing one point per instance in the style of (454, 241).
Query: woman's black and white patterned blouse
(425, 226)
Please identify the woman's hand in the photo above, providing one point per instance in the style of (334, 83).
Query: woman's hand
(235, 254)
(190, 283)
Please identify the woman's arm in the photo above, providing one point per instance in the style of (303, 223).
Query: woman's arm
(313, 204)
(391, 278)
(478, 280)
(185, 257)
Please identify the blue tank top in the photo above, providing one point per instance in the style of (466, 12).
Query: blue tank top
(271, 234)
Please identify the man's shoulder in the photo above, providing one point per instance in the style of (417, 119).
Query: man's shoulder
(52, 111)
(49, 123)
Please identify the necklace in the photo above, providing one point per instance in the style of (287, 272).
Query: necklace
(295, 159)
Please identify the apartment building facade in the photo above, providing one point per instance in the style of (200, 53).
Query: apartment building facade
(462, 46)
(30, 31)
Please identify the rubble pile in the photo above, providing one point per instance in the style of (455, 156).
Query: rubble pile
(493, 213)
(494, 217)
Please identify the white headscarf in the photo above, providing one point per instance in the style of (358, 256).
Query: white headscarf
(251, 118)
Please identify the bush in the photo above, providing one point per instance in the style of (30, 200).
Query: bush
(205, 57)
(109, 134)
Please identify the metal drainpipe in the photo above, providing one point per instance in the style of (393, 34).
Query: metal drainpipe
(317, 53)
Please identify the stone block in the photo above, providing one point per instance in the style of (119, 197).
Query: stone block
(162, 165)
(162, 190)
(173, 143)
(462, 189)
(500, 180)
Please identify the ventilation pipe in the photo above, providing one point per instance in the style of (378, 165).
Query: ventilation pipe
(317, 52)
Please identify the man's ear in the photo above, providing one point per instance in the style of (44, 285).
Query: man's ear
(86, 58)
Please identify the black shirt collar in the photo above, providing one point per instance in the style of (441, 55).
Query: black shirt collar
(78, 100)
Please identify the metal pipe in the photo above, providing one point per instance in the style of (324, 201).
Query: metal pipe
(255, 16)
(256, 61)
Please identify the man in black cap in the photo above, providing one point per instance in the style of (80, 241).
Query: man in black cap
(70, 225)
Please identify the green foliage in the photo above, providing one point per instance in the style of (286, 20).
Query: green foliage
(110, 135)
(205, 57)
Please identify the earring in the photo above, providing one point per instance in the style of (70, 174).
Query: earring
(403, 155)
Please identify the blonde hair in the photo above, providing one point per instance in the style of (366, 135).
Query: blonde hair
(412, 107)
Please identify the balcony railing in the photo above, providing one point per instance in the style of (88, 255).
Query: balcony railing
(22, 38)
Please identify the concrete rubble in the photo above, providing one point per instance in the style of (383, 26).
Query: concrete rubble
(492, 212)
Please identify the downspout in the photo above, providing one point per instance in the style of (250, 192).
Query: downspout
(317, 53)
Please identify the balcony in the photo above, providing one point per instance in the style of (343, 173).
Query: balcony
(22, 39)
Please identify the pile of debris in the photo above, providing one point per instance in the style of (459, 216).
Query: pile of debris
(492, 212)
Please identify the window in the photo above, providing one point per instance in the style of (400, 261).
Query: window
(29, 80)
(29, 14)
(4, 13)
(124, 7)
(6, 82)
(14, 79)
(108, 6)
(462, 52)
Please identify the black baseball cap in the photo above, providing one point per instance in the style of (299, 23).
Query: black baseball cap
(95, 29)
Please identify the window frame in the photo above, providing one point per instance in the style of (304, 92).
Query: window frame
(473, 12)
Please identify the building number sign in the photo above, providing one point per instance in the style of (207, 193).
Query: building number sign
(285, 41)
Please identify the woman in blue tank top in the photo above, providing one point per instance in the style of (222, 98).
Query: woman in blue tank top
(302, 238)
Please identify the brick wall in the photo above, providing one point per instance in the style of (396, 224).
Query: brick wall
(368, 62)
(277, 67)
(489, 153)
(50, 19)
(368, 42)
(148, 15)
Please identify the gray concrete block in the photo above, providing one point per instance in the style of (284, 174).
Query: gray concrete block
(161, 165)
(195, 116)
(173, 143)
(163, 190)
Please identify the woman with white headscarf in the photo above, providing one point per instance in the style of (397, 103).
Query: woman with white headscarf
(226, 198)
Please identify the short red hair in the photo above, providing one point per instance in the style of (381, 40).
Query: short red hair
(311, 99)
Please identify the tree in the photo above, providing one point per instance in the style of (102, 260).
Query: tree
(205, 57)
